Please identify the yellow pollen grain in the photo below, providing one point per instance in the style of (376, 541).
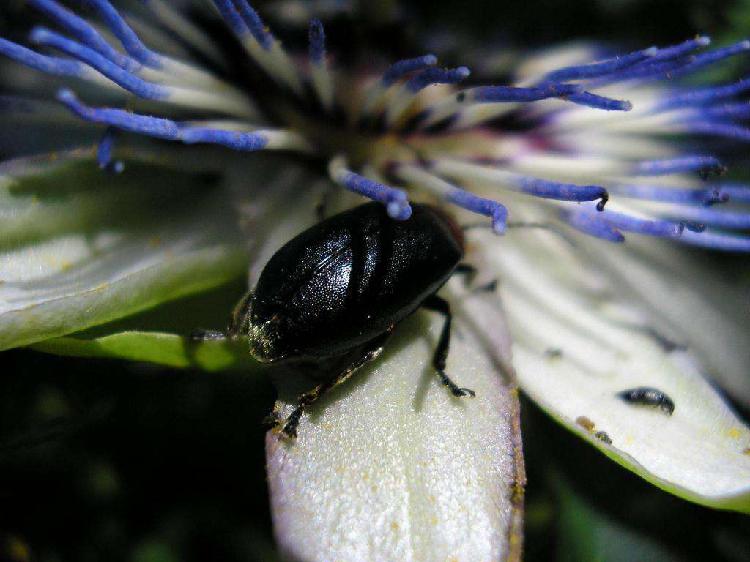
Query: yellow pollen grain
(585, 423)
(734, 433)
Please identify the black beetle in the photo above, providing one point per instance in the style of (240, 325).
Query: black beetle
(647, 396)
(339, 288)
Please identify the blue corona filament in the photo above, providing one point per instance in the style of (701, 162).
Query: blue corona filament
(317, 37)
(688, 205)
(396, 200)
(127, 37)
(83, 31)
(403, 67)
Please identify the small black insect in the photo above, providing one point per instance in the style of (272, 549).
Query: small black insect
(604, 437)
(339, 288)
(647, 396)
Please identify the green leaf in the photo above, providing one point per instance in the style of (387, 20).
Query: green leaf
(159, 335)
(162, 348)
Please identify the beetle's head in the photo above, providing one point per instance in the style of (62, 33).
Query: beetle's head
(265, 339)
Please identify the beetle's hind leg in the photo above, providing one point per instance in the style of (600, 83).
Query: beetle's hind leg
(441, 351)
(308, 398)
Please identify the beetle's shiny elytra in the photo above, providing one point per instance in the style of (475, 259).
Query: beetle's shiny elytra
(348, 279)
(343, 284)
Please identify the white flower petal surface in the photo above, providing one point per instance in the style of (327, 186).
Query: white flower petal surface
(690, 302)
(577, 345)
(124, 254)
(391, 467)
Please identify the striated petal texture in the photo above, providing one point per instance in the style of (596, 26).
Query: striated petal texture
(580, 340)
(391, 467)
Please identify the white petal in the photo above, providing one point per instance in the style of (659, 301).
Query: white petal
(575, 347)
(689, 301)
(106, 251)
(391, 467)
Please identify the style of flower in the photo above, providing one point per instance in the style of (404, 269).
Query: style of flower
(561, 164)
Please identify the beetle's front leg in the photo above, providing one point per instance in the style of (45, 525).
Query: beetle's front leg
(237, 322)
(274, 419)
(305, 400)
(207, 335)
(441, 351)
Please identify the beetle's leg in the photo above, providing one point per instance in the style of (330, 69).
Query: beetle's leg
(489, 287)
(274, 418)
(375, 347)
(441, 351)
(207, 335)
(321, 209)
(471, 273)
(468, 270)
(238, 320)
(236, 323)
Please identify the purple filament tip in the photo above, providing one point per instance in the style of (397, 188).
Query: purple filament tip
(704, 165)
(682, 49)
(49, 65)
(403, 67)
(496, 211)
(659, 228)
(706, 59)
(231, 17)
(736, 192)
(253, 22)
(104, 152)
(395, 200)
(594, 70)
(317, 36)
(562, 191)
(431, 75)
(705, 197)
(712, 217)
(600, 102)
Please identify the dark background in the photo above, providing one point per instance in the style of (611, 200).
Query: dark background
(104, 460)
